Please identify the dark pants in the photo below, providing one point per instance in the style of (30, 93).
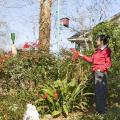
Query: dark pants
(100, 90)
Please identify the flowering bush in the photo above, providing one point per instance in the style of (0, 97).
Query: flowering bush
(39, 71)
(34, 45)
(29, 69)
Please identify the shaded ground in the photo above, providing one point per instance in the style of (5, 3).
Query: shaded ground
(13, 109)
(113, 114)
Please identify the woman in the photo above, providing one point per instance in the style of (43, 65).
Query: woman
(101, 62)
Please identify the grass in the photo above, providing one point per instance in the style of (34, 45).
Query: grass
(113, 114)
(13, 108)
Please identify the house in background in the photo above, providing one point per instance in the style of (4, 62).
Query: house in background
(115, 18)
(83, 39)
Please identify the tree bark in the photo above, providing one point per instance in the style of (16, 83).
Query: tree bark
(45, 24)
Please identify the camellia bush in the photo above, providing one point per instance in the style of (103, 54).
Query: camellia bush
(28, 69)
(56, 85)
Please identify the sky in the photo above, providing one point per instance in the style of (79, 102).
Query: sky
(22, 18)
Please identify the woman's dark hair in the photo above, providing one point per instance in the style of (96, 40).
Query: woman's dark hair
(104, 38)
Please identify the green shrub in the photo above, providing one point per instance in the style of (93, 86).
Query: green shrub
(28, 69)
(62, 97)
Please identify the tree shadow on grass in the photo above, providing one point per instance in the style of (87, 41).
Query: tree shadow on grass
(112, 114)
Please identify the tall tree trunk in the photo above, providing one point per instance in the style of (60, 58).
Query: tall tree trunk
(45, 23)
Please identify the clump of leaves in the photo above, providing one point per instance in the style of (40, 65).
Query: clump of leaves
(28, 69)
(62, 97)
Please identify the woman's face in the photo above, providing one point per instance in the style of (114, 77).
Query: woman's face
(99, 43)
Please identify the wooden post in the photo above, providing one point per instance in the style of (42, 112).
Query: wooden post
(45, 24)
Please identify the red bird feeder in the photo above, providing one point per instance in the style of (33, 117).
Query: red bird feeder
(65, 21)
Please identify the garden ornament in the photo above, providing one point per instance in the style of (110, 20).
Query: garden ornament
(31, 113)
(13, 47)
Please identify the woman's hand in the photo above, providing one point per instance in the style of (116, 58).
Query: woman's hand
(81, 55)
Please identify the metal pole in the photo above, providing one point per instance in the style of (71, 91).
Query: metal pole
(58, 34)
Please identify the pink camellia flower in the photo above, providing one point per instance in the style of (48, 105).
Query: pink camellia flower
(35, 44)
(26, 45)
(76, 54)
